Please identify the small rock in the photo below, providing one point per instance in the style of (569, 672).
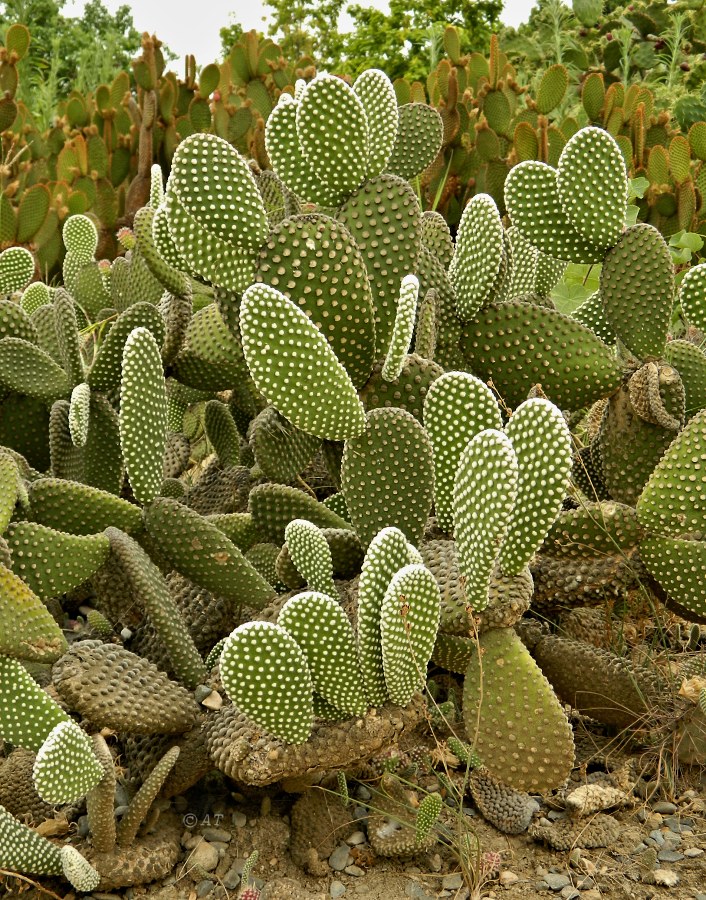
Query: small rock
(126, 634)
(658, 837)
(213, 701)
(356, 871)
(556, 882)
(83, 826)
(679, 826)
(203, 855)
(201, 691)
(204, 888)
(358, 837)
(362, 793)
(340, 858)
(669, 856)
(665, 877)
(239, 819)
(435, 863)
(585, 883)
(641, 815)
(189, 841)
(337, 889)
(416, 892)
(221, 846)
(360, 812)
(665, 808)
(231, 879)
(569, 893)
(575, 857)
(507, 878)
(452, 882)
(700, 897)
(593, 894)
(121, 810)
(692, 852)
(217, 834)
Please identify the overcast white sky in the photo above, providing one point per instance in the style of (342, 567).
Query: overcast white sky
(188, 27)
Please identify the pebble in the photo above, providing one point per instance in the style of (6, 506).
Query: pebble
(569, 893)
(358, 837)
(203, 888)
(669, 856)
(340, 858)
(354, 870)
(507, 878)
(204, 855)
(360, 812)
(593, 894)
(231, 879)
(585, 883)
(126, 634)
(362, 793)
(692, 852)
(416, 892)
(700, 897)
(239, 819)
(658, 837)
(679, 825)
(665, 808)
(557, 882)
(201, 691)
(83, 826)
(337, 889)
(217, 834)
(452, 882)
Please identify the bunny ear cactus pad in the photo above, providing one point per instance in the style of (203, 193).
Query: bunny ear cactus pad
(80, 509)
(311, 555)
(409, 620)
(273, 506)
(27, 630)
(281, 450)
(387, 475)
(27, 713)
(16, 269)
(332, 128)
(265, 673)
(27, 369)
(294, 367)
(690, 362)
(104, 374)
(679, 567)
(385, 556)
(314, 262)
(513, 718)
(542, 443)
(484, 498)
(22, 849)
(478, 257)
(403, 329)
(535, 208)
(377, 95)
(66, 767)
(143, 414)
(457, 407)
(420, 134)
(323, 631)
(639, 266)
(593, 186)
(79, 414)
(222, 432)
(524, 264)
(692, 296)
(80, 238)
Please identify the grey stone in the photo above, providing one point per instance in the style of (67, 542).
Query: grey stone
(337, 889)
(557, 882)
(358, 837)
(665, 807)
(452, 882)
(356, 871)
(669, 856)
(585, 883)
(700, 897)
(340, 858)
(126, 634)
(362, 793)
(204, 855)
(658, 837)
(569, 893)
(641, 815)
(679, 826)
(121, 810)
(417, 892)
(693, 852)
(217, 834)
(204, 888)
(231, 879)
(201, 691)
(83, 826)
(239, 819)
(360, 812)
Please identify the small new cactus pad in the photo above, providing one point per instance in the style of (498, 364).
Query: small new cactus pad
(265, 673)
(457, 407)
(311, 555)
(215, 186)
(27, 713)
(52, 562)
(524, 265)
(66, 325)
(674, 499)
(420, 133)
(106, 370)
(542, 444)
(520, 345)
(479, 253)
(549, 272)
(9, 489)
(294, 367)
(535, 208)
(513, 718)
(27, 369)
(639, 266)
(80, 237)
(692, 295)
(425, 338)
(593, 186)
(174, 281)
(387, 475)
(77, 870)
(323, 631)
(385, 556)
(281, 449)
(332, 129)
(143, 799)
(409, 620)
(375, 91)
(202, 553)
(222, 432)
(679, 567)
(16, 269)
(427, 815)
(66, 767)
(274, 505)
(436, 237)
(313, 261)
(35, 295)
(484, 498)
(404, 327)
(27, 629)
(79, 414)
(24, 850)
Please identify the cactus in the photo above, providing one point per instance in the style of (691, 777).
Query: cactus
(66, 768)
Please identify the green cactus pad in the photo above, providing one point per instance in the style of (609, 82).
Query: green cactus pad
(385, 556)
(590, 313)
(403, 329)
(203, 554)
(436, 237)
(524, 265)
(142, 801)
(263, 558)
(51, 562)
(79, 414)
(16, 322)
(27, 369)
(102, 458)
(273, 506)
(23, 427)
(679, 567)
(594, 528)
(427, 816)
(453, 652)
(549, 272)
(314, 262)
(409, 620)
(425, 337)
(520, 345)
(542, 443)
(27, 629)
(387, 475)
(215, 186)
(294, 367)
(66, 325)
(66, 767)
(27, 713)
(24, 850)
(211, 358)
(552, 88)
(332, 129)
(690, 362)
(143, 414)
(321, 628)
(222, 432)
(281, 450)
(80, 509)
(407, 391)
(456, 408)
(80, 238)
(692, 295)
(674, 499)
(535, 208)
(513, 718)
(484, 497)
(9, 488)
(384, 218)
(104, 374)
(479, 253)
(265, 674)
(375, 91)
(170, 278)
(420, 134)
(16, 269)
(311, 555)
(639, 266)
(593, 186)
(280, 202)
